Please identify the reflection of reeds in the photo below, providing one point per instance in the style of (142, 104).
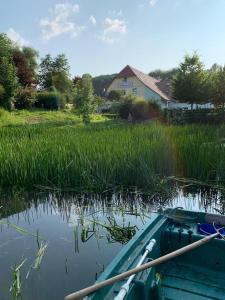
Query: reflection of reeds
(76, 239)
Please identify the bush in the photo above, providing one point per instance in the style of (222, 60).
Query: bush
(25, 98)
(134, 106)
(2, 91)
(50, 100)
(115, 95)
(140, 111)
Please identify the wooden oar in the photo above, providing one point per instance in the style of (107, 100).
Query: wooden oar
(93, 288)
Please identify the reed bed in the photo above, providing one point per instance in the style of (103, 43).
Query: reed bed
(102, 156)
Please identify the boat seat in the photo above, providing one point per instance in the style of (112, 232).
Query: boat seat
(185, 282)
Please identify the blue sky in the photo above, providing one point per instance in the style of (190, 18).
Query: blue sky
(102, 36)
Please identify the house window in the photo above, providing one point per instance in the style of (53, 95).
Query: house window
(134, 91)
(125, 79)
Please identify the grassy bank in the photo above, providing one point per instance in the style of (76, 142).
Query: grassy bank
(107, 154)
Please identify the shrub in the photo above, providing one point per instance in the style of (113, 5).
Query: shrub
(115, 95)
(134, 106)
(25, 98)
(126, 105)
(140, 110)
(50, 100)
(2, 91)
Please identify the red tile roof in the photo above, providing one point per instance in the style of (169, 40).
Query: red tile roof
(162, 88)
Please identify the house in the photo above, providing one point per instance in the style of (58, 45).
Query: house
(131, 80)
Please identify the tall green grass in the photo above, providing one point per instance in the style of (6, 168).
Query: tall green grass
(103, 156)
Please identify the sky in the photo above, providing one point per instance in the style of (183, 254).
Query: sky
(103, 36)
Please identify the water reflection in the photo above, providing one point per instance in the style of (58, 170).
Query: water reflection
(83, 233)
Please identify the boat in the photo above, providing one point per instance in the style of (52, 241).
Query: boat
(198, 274)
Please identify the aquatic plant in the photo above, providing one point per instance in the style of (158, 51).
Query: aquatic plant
(107, 156)
(15, 288)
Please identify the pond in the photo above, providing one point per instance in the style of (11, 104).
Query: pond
(65, 241)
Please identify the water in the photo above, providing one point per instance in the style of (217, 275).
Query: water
(76, 253)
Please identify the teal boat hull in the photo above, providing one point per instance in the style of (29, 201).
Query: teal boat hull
(198, 274)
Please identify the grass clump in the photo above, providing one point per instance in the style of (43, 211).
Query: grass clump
(106, 154)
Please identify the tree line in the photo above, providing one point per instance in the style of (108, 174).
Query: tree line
(25, 83)
(194, 84)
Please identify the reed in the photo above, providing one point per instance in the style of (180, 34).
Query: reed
(104, 156)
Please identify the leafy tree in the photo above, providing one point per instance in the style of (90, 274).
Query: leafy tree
(62, 82)
(217, 80)
(8, 79)
(191, 82)
(25, 98)
(31, 56)
(45, 72)
(6, 46)
(54, 72)
(84, 97)
(24, 73)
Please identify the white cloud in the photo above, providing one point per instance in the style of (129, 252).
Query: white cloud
(16, 37)
(93, 20)
(59, 21)
(152, 2)
(113, 27)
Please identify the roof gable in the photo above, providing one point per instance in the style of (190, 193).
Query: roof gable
(163, 90)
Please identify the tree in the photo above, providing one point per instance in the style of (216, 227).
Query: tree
(54, 72)
(217, 80)
(9, 82)
(84, 98)
(31, 56)
(191, 82)
(8, 79)
(45, 72)
(24, 73)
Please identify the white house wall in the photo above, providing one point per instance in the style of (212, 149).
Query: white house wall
(134, 86)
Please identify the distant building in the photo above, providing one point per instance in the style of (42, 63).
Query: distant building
(131, 80)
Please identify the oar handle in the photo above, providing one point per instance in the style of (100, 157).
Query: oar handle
(93, 288)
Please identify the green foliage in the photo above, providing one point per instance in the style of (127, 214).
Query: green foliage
(6, 46)
(2, 92)
(8, 80)
(98, 157)
(49, 100)
(54, 72)
(134, 107)
(7, 72)
(25, 98)
(126, 106)
(190, 83)
(31, 56)
(115, 95)
(84, 99)
(217, 84)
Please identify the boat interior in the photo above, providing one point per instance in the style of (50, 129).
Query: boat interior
(197, 274)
